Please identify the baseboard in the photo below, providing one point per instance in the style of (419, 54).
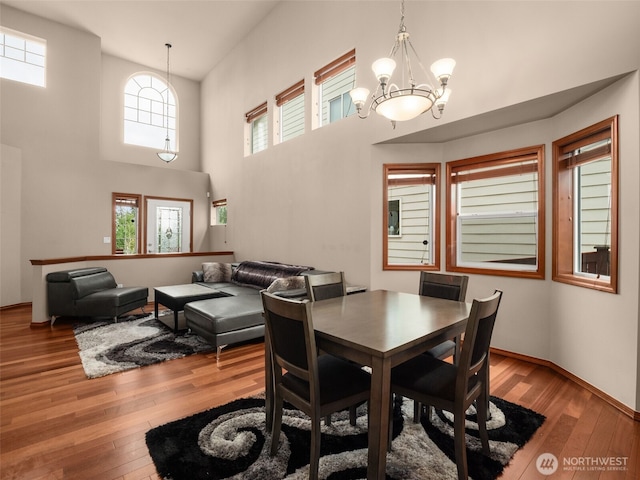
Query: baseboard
(635, 415)
(15, 305)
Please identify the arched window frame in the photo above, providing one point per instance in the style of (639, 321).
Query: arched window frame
(145, 100)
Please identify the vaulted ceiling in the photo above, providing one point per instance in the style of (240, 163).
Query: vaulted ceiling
(202, 32)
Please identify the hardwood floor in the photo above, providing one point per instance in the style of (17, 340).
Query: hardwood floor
(57, 424)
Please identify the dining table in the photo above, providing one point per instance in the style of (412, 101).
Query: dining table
(379, 329)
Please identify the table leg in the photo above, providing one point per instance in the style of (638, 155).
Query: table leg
(175, 321)
(155, 306)
(379, 406)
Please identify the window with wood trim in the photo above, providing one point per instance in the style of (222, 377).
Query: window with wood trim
(411, 213)
(290, 103)
(257, 132)
(495, 206)
(219, 212)
(126, 223)
(334, 81)
(585, 207)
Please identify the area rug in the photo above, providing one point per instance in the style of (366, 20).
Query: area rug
(107, 347)
(230, 441)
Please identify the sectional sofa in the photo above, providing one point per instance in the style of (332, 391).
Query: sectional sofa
(235, 315)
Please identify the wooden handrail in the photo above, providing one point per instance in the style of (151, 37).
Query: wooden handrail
(54, 261)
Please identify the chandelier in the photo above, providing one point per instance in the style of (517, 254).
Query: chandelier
(167, 155)
(407, 101)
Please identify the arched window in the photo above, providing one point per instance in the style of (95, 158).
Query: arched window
(149, 107)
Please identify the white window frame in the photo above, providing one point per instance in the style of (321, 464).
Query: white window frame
(23, 58)
(149, 104)
(341, 69)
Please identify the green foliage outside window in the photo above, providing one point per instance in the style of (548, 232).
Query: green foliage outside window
(126, 230)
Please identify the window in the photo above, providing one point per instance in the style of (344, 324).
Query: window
(291, 111)
(149, 106)
(219, 212)
(258, 135)
(125, 232)
(168, 225)
(495, 205)
(22, 57)
(585, 207)
(334, 82)
(411, 217)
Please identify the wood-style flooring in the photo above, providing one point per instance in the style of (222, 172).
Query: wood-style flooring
(57, 424)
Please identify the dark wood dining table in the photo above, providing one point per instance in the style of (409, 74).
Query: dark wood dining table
(380, 329)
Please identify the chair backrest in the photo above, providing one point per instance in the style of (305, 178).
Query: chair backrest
(291, 338)
(442, 285)
(477, 338)
(325, 285)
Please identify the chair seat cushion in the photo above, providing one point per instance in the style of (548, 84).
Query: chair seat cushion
(116, 296)
(338, 379)
(427, 376)
(443, 350)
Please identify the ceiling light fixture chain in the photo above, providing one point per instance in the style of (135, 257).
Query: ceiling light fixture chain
(408, 100)
(167, 155)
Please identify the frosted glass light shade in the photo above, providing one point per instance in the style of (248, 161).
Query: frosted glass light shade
(443, 68)
(444, 98)
(167, 155)
(383, 69)
(359, 95)
(404, 107)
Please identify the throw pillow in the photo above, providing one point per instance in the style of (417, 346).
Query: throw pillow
(214, 272)
(287, 283)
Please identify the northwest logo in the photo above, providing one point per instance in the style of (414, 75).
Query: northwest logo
(547, 463)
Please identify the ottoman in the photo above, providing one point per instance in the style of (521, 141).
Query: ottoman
(222, 321)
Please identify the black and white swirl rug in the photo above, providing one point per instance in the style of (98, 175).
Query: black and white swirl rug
(107, 347)
(230, 441)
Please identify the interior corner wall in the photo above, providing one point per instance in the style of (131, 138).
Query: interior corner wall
(584, 321)
(66, 183)
(10, 224)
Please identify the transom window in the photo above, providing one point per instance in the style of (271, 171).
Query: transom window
(496, 208)
(585, 207)
(149, 107)
(257, 133)
(22, 57)
(290, 105)
(334, 82)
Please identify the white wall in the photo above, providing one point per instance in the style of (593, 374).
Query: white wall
(68, 156)
(318, 198)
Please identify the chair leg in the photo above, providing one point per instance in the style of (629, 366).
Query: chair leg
(460, 445)
(390, 424)
(353, 415)
(482, 409)
(314, 459)
(417, 411)
(276, 423)
(327, 420)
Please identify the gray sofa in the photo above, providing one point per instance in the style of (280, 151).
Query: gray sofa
(90, 292)
(236, 315)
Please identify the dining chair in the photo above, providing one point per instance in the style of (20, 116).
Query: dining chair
(450, 287)
(318, 385)
(325, 285)
(454, 387)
